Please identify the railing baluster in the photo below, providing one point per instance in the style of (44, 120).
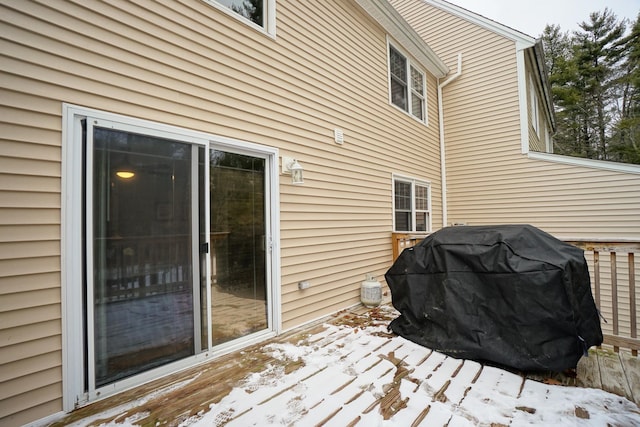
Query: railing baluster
(632, 299)
(596, 277)
(614, 296)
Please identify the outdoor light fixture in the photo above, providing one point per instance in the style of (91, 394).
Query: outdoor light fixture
(291, 166)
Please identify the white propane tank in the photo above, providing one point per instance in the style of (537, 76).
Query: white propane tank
(371, 291)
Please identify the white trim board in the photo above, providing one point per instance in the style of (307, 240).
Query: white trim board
(587, 163)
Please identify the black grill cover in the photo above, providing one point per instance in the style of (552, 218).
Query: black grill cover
(508, 294)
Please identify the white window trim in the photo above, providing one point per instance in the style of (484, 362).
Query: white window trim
(413, 182)
(523, 99)
(548, 140)
(270, 19)
(416, 65)
(71, 246)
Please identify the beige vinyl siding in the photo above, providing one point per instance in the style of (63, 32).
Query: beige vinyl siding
(489, 181)
(30, 340)
(185, 63)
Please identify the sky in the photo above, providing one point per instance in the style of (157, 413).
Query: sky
(531, 16)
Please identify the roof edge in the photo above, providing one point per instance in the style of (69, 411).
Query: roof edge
(386, 15)
(522, 39)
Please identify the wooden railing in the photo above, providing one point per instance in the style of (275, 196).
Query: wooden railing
(612, 266)
(401, 241)
(143, 266)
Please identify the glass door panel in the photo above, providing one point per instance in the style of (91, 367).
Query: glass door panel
(237, 235)
(143, 301)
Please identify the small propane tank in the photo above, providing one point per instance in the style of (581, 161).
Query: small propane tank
(371, 291)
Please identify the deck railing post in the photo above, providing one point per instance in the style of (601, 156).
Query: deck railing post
(596, 277)
(401, 241)
(614, 296)
(632, 299)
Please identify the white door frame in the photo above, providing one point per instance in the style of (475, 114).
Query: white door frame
(72, 269)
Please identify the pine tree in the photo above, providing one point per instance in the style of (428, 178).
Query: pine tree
(597, 52)
(562, 77)
(595, 82)
(625, 141)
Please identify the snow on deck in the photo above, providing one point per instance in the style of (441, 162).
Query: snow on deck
(352, 372)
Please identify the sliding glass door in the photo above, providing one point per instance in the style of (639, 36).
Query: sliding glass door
(177, 256)
(238, 257)
(142, 264)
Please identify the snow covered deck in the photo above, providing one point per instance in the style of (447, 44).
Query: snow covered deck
(348, 371)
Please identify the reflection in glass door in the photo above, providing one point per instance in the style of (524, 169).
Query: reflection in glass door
(176, 255)
(237, 234)
(142, 301)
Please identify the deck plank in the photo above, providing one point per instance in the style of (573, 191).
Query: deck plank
(372, 377)
(492, 397)
(461, 381)
(613, 377)
(631, 366)
(438, 415)
(588, 371)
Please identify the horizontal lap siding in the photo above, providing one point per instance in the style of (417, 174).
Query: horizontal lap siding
(564, 200)
(187, 64)
(489, 181)
(30, 340)
(337, 226)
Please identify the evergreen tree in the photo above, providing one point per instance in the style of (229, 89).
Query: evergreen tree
(562, 79)
(595, 84)
(625, 141)
(597, 52)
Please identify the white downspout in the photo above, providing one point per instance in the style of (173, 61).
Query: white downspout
(443, 169)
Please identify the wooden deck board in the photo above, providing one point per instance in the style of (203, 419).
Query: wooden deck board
(411, 385)
(588, 371)
(631, 367)
(612, 375)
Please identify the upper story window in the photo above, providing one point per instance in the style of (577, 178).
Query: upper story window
(406, 85)
(533, 99)
(411, 205)
(258, 12)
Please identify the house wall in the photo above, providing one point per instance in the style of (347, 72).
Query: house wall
(187, 64)
(489, 180)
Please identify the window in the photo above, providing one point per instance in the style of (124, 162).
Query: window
(406, 85)
(533, 99)
(258, 12)
(411, 205)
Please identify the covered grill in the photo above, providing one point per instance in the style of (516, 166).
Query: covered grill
(509, 294)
